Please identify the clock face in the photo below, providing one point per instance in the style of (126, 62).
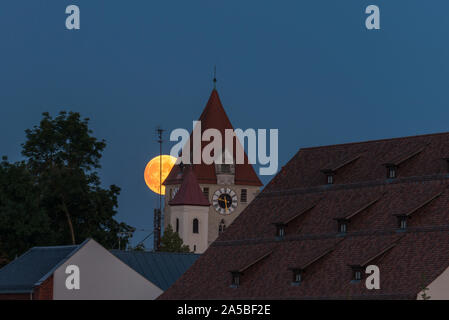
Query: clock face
(224, 201)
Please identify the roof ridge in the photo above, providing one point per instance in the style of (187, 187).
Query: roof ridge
(377, 140)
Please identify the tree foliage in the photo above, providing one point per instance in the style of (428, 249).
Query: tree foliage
(171, 242)
(22, 219)
(55, 196)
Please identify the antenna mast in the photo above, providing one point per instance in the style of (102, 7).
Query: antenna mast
(158, 212)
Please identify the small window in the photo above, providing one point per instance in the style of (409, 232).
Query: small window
(195, 226)
(194, 248)
(297, 276)
(235, 279)
(391, 172)
(244, 195)
(221, 227)
(330, 179)
(177, 225)
(342, 226)
(357, 273)
(206, 192)
(280, 230)
(403, 223)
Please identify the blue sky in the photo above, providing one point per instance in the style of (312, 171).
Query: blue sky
(308, 68)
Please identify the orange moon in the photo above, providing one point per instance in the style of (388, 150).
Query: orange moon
(152, 174)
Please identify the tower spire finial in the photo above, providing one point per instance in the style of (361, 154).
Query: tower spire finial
(215, 77)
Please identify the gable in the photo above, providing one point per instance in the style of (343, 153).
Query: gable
(102, 277)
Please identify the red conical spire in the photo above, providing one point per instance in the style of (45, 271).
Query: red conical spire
(214, 117)
(189, 193)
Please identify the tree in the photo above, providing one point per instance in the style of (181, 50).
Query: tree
(22, 220)
(55, 195)
(171, 242)
(424, 289)
(139, 247)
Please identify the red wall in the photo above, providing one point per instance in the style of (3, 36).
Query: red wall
(45, 290)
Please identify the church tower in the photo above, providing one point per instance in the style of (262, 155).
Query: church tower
(189, 212)
(228, 188)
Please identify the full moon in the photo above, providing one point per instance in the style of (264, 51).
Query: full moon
(152, 174)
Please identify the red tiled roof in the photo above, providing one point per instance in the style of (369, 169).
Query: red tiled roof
(189, 193)
(408, 259)
(214, 117)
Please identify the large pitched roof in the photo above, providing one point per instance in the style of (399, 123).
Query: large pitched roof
(214, 117)
(408, 259)
(189, 193)
(161, 268)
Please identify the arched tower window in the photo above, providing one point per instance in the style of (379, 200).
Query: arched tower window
(177, 225)
(221, 227)
(195, 226)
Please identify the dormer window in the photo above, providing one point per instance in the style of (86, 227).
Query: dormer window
(342, 225)
(332, 168)
(329, 175)
(235, 279)
(402, 221)
(297, 276)
(391, 172)
(403, 217)
(237, 273)
(357, 273)
(403, 224)
(280, 230)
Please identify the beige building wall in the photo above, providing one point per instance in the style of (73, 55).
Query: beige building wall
(214, 218)
(197, 242)
(102, 277)
(439, 288)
